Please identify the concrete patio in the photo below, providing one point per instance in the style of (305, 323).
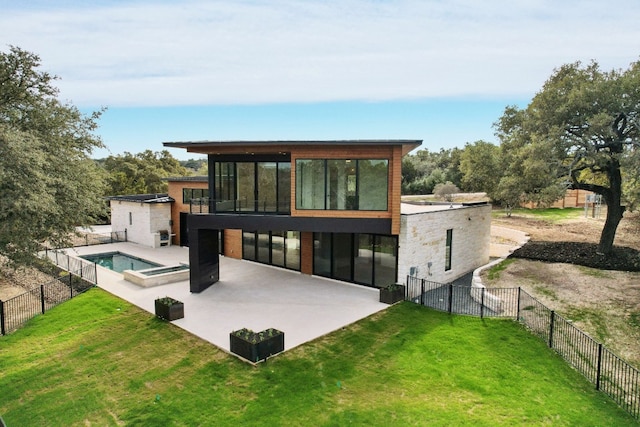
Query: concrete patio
(248, 295)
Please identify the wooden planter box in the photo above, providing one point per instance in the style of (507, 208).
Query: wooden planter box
(392, 295)
(256, 346)
(169, 309)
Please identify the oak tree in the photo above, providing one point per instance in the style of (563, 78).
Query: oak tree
(582, 130)
(48, 183)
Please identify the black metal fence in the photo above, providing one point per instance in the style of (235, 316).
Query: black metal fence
(90, 239)
(610, 374)
(81, 275)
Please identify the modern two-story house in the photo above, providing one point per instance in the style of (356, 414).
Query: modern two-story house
(328, 208)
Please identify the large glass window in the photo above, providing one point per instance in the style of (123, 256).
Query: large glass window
(373, 181)
(249, 245)
(342, 184)
(263, 187)
(367, 259)
(310, 185)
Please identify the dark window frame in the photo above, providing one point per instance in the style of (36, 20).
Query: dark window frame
(326, 198)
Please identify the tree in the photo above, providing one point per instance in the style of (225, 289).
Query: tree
(141, 173)
(582, 131)
(48, 183)
(480, 167)
(446, 191)
(424, 170)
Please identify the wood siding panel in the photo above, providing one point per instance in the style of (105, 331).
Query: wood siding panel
(233, 243)
(306, 252)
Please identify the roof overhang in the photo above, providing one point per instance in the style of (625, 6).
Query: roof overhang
(208, 147)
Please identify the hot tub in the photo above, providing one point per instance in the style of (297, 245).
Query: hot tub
(158, 275)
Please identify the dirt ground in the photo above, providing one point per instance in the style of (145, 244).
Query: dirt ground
(603, 301)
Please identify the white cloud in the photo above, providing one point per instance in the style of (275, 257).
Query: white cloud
(221, 52)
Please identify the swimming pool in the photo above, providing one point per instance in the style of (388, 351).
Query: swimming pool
(118, 261)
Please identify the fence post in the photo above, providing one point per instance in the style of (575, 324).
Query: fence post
(42, 298)
(553, 316)
(599, 366)
(482, 303)
(450, 297)
(518, 305)
(70, 286)
(3, 329)
(422, 297)
(95, 272)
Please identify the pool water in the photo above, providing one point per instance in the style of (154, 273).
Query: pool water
(118, 261)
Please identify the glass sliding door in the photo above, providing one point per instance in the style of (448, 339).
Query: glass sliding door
(264, 247)
(342, 256)
(385, 260)
(284, 187)
(278, 248)
(267, 187)
(292, 250)
(363, 259)
(224, 186)
(249, 245)
(246, 187)
(322, 254)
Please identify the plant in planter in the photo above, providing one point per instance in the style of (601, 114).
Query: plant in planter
(392, 293)
(256, 346)
(169, 309)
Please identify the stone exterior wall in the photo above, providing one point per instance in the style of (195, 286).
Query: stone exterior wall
(422, 242)
(141, 220)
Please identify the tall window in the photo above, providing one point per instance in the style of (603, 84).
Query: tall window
(263, 187)
(447, 253)
(342, 184)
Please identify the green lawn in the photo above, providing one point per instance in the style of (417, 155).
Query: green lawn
(550, 214)
(97, 360)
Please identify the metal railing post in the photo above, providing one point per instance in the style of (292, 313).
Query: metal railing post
(553, 316)
(518, 305)
(599, 366)
(3, 329)
(450, 297)
(42, 298)
(482, 303)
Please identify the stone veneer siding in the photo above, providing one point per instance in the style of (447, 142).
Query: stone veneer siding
(147, 220)
(423, 239)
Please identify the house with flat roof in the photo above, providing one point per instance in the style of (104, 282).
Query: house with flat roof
(327, 208)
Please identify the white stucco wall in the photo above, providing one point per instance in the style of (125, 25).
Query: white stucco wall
(146, 220)
(422, 241)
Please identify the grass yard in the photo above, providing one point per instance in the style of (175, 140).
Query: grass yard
(97, 361)
(550, 214)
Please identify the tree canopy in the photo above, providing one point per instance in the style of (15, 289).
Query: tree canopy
(580, 131)
(141, 173)
(48, 183)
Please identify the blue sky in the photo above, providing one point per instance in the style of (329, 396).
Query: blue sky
(441, 71)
